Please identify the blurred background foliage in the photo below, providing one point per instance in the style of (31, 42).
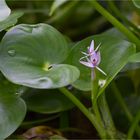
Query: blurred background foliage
(76, 19)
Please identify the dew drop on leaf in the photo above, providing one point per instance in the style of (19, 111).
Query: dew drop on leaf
(12, 52)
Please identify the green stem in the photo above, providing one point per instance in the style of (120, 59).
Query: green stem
(133, 126)
(85, 111)
(123, 105)
(109, 124)
(94, 87)
(123, 18)
(94, 91)
(116, 23)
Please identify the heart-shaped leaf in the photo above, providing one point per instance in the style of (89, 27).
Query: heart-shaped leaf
(30, 56)
(10, 21)
(47, 101)
(114, 55)
(4, 10)
(12, 109)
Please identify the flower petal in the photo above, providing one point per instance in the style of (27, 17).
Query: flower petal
(95, 58)
(97, 48)
(85, 53)
(84, 57)
(99, 58)
(91, 48)
(101, 71)
(88, 64)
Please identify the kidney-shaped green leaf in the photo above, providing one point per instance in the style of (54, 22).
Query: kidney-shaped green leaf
(114, 55)
(30, 55)
(12, 109)
(47, 101)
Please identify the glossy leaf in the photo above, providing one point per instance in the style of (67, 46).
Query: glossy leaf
(4, 10)
(10, 21)
(56, 4)
(114, 55)
(12, 109)
(47, 101)
(136, 3)
(30, 56)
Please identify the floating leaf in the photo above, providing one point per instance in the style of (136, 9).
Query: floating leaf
(4, 10)
(31, 55)
(114, 55)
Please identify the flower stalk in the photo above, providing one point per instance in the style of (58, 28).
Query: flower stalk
(93, 59)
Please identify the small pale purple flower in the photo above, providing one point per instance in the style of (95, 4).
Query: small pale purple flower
(93, 57)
